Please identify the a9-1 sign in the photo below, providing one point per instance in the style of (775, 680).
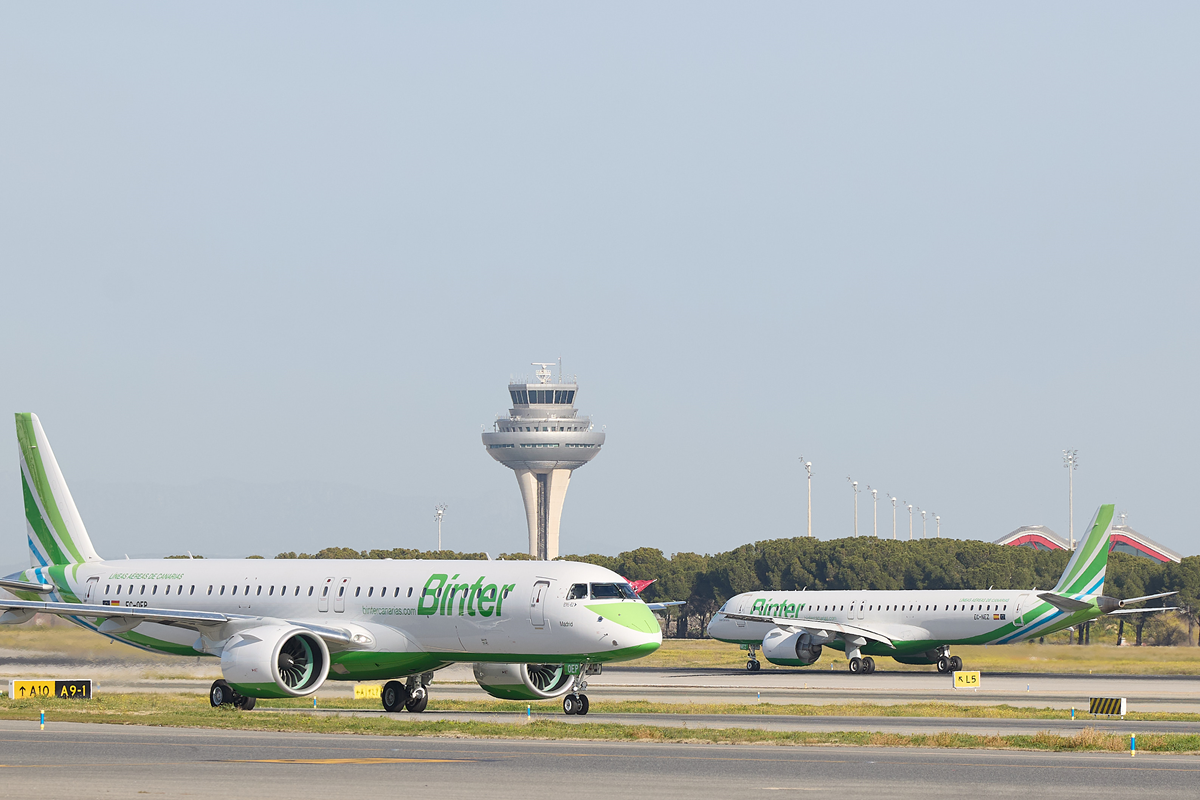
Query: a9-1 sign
(65, 690)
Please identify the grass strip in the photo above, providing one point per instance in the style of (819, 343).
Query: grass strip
(189, 711)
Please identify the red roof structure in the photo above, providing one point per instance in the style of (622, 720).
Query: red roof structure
(1123, 539)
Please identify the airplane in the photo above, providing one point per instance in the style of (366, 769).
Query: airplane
(534, 630)
(919, 627)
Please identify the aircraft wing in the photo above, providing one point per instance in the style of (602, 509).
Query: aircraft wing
(26, 586)
(661, 606)
(124, 615)
(814, 626)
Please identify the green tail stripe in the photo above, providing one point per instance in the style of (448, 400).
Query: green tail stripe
(38, 523)
(33, 460)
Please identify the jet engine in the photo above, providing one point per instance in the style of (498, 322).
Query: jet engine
(791, 649)
(275, 661)
(523, 681)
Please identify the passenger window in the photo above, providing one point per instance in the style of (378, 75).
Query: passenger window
(298, 591)
(193, 590)
(259, 591)
(143, 591)
(409, 591)
(579, 591)
(341, 591)
(118, 588)
(210, 588)
(357, 589)
(310, 590)
(506, 591)
(371, 592)
(223, 589)
(325, 591)
(234, 590)
(396, 593)
(247, 590)
(107, 586)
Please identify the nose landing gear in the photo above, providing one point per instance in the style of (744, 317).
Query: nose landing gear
(576, 702)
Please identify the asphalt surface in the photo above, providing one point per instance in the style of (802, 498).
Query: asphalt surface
(772, 722)
(86, 761)
(1178, 693)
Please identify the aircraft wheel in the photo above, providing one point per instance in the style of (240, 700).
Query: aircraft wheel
(394, 696)
(868, 665)
(583, 705)
(416, 705)
(753, 666)
(220, 694)
(856, 666)
(244, 703)
(955, 663)
(571, 705)
(943, 665)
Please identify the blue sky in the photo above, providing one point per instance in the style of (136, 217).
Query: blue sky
(268, 268)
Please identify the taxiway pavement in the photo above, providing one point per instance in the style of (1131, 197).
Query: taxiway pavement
(91, 761)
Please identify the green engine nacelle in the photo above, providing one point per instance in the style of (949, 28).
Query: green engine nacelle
(525, 681)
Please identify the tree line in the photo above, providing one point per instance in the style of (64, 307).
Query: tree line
(706, 581)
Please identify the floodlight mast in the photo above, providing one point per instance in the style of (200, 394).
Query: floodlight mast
(1071, 463)
(854, 486)
(938, 520)
(875, 501)
(439, 512)
(893, 516)
(923, 528)
(808, 468)
(910, 522)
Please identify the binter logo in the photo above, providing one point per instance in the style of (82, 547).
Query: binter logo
(769, 609)
(441, 592)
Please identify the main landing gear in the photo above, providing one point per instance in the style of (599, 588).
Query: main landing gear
(947, 664)
(411, 696)
(862, 666)
(222, 694)
(576, 702)
(752, 665)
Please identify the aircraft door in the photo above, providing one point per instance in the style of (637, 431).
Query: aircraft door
(92, 588)
(1019, 615)
(537, 604)
(339, 599)
(323, 597)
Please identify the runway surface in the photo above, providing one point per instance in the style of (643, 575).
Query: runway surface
(820, 687)
(770, 722)
(86, 761)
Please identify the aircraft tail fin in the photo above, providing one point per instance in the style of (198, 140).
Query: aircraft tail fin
(53, 525)
(1085, 571)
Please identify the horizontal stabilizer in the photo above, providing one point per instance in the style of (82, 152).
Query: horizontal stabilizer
(814, 625)
(1065, 603)
(26, 586)
(1129, 600)
(1142, 610)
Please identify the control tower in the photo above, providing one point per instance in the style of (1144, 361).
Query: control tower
(542, 439)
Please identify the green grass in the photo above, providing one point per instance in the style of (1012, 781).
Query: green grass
(189, 711)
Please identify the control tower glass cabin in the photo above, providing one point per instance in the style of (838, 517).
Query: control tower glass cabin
(543, 439)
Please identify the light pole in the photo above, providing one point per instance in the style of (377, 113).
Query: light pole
(923, 529)
(808, 465)
(910, 522)
(938, 520)
(1122, 515)
(854, 486)
(893, 516)
(439, 512)
(808, 469)
(1071, 462)
(875, 501)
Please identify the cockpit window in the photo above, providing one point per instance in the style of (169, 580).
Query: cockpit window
(613, 591)
(578, 592)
